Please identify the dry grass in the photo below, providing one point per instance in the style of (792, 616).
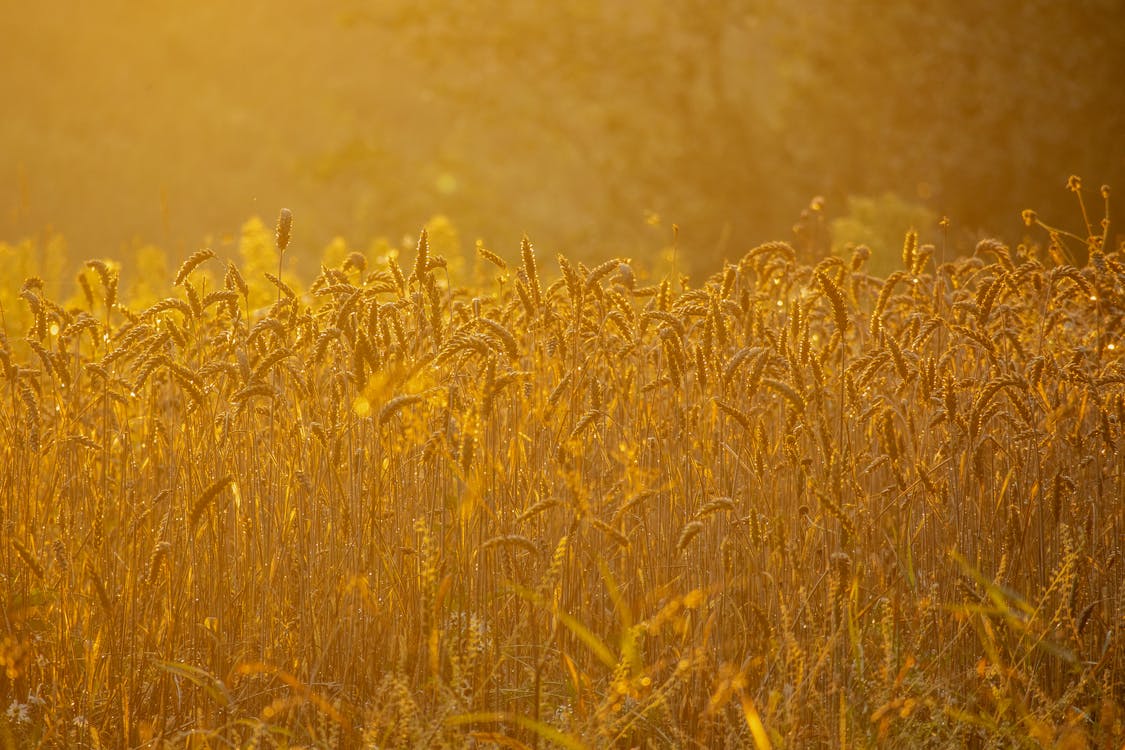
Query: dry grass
(792, 506)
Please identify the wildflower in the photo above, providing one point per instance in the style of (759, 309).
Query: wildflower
(18, 713)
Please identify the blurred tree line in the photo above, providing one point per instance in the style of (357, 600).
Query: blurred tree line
(727, 116)
(591, 125)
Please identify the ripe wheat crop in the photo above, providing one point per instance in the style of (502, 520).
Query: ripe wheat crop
(790, 505)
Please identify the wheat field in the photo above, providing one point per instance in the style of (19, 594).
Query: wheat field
(511, 501)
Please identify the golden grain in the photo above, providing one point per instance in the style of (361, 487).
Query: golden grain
(527, 252)
(447, 512)
(196, 259)
(284, 228)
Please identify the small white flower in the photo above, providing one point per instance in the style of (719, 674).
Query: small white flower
(18, 713)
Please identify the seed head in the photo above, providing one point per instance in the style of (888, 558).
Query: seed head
(284, 225)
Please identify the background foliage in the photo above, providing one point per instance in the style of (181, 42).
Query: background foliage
(573, 121)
